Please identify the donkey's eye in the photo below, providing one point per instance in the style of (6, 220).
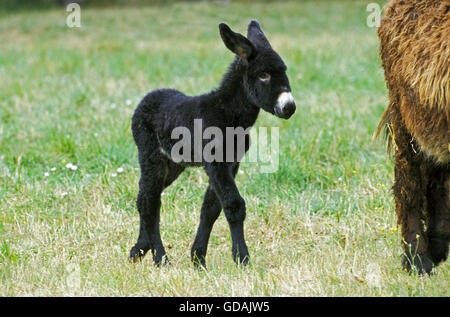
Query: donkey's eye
(264, 77)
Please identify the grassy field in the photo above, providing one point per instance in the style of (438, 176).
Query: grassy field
(322, 225)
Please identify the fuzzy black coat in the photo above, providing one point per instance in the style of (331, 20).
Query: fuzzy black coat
(255, 80)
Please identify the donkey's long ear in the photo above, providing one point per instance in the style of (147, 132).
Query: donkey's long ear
(256, 35)
(235, 42)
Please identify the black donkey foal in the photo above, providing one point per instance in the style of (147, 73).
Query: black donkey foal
(256, 79)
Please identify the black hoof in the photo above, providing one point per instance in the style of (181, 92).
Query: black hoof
(241, 259)
(245, 260)
(198, 261)
(136, 254)
(420, 262)
(162, 260)
(438, 249)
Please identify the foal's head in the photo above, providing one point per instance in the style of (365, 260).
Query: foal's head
(265, 79)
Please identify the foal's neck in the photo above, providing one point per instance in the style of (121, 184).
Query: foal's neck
(233, 96)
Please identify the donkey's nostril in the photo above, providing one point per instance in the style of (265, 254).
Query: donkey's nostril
(289, 109)
(285, 106)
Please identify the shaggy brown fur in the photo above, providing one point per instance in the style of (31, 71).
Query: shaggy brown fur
(415, 52)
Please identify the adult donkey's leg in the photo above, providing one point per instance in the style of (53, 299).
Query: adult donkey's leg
(438, 229)
(222, 181)
(410, 189)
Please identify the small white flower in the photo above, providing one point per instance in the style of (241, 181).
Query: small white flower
(113, 174)
(46, 174)
(120, 170)
(74, 167)
(64, 194)
(340, 179)
(128, 102)
(69, 165)
(53, 169)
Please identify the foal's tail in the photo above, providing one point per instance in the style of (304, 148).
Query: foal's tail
(143, 134)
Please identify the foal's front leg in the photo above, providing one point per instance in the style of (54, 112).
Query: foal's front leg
(209, 213)
(221, 179)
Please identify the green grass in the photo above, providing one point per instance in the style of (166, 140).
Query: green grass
(322, 225)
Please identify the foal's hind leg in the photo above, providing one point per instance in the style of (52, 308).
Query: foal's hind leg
(154, 172)
(157, 172)
(148, 205)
